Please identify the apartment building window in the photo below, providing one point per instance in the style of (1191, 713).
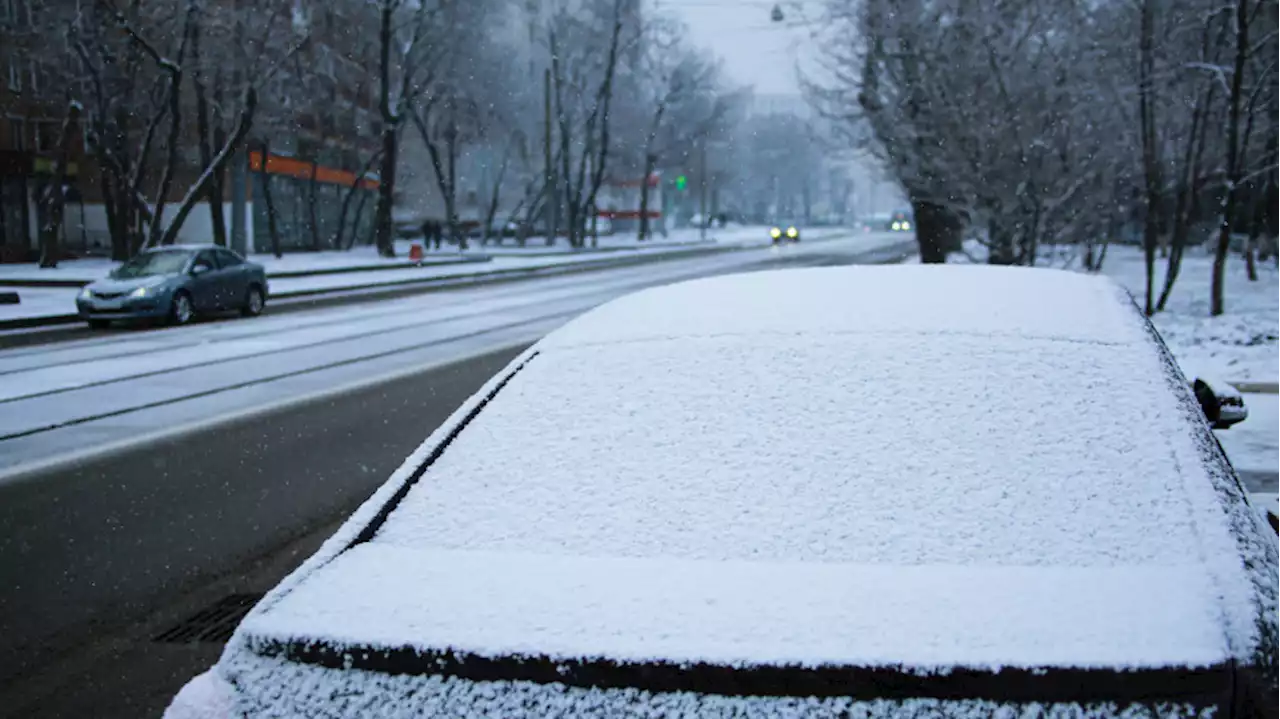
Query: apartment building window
(46, 134)
(33, 70)
(14, 71)
(17, 133)
(15, 13)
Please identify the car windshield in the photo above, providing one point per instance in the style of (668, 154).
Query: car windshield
(149, 264)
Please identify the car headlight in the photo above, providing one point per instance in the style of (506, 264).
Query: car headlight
(897, 226)
(791, 232)
(85, 292)
(140, 292)
(906, 225)
(775, 233)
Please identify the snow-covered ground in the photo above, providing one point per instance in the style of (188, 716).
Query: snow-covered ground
(40, 302)
(48, 302)
(124, 385)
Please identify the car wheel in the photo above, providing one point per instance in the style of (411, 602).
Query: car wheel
(99, 324)
(253, 302)
(181, 311)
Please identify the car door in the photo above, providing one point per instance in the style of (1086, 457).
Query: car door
(235, 278)
(205, 286)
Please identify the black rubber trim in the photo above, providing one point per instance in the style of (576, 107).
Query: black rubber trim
(369, 530)
(1204, 687)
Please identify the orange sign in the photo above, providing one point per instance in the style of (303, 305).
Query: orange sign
(277, 165)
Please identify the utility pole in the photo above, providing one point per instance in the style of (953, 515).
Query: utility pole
(239, 188)
(552, 208)
(702, 189)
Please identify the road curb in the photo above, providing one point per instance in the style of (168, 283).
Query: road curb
(428, 284)
(404, 265)
(480, 279)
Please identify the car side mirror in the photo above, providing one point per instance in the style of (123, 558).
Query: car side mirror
(200, 269)
(1222, 404)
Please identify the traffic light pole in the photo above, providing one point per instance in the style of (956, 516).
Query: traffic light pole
(702, 189)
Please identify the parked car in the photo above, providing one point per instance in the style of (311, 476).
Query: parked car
(175, 284)
(722, 498)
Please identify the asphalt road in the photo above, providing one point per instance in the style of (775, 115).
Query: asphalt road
(98, 556)
(87, 545)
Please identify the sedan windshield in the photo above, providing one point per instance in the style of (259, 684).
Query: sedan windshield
(153, 263)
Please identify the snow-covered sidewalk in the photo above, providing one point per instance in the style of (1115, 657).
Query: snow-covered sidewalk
(311, 273)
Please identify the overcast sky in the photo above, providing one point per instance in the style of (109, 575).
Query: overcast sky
(756, 51)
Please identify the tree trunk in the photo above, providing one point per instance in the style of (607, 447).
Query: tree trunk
(650, 160)
(312, 220)
(1187, 199)
(206, 141)
(339, 241)
(1217, 304)
(355, 222)
(934, 226)
(451, 148)
(155, 234)
(382, 217)
(492, 211)
(390, 116)
(217, 187)
(119, 241)
(54, 198)
(601, 161)
(1150, 158)
(1250, 259)
(1002, 249)
(272, 230)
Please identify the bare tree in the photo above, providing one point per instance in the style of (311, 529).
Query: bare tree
(116, 68)
(1240, 110)
(582, 76)
(405, 52)
(685, 101)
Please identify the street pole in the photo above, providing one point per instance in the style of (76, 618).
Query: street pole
(239, 229)
(552, 208)
(702, 189)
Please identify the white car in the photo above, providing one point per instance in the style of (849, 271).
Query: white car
(856, 491)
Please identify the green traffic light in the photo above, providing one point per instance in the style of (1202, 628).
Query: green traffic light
(681, 182)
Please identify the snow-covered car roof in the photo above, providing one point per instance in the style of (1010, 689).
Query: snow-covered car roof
(920, 470)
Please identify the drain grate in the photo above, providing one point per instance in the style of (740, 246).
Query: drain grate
(214, 623)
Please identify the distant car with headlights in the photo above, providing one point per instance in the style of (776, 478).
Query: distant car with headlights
(785, 232)
(175, 284)
(900, 222)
